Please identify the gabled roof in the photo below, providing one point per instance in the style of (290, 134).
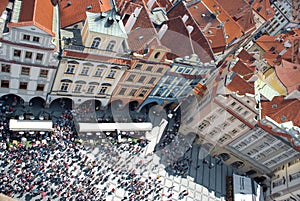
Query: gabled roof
(37, 13)
(246, 56)
(237, 84)
(289, 75)
(177, 38)
(281, 110)
(76, 12)
(241, 69)
(263, 8)
(240, 11)
(200, 43)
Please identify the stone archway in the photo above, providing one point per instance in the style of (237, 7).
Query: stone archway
(62, 104)
(37, 102)
(237, 164)
(13, 100)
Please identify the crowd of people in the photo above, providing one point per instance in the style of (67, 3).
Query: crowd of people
(61, 167)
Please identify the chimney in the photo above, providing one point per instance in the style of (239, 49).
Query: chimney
(150, 4)
(162, 31)
(132, 19)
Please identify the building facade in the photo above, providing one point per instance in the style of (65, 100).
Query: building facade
(28, 54)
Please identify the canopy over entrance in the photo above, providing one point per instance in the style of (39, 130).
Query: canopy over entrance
(30, 125)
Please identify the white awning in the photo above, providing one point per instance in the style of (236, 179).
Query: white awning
(30, 125)
(96, 127)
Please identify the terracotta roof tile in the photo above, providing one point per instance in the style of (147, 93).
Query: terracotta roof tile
(177, 38)
(245, 56)
(38, 13)
(3, 4)
(216, 38)
(240, 11)
(200, 43)
(202, 15)
(74, 13)
(242, 69)
(233, 29)
(289, 75)
(239, 85)
(282, 110)
(263, 8)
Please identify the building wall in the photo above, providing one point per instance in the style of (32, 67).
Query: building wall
(37, 57)
(81, 84)
(285, 185)
(282, 16)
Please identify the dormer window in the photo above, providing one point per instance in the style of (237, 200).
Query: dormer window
(96, 42)
(111, 45)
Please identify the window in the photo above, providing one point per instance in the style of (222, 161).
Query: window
(40, 87)
(4, 83)
(239, 108)
(224, 125)
(26, 37)
(70, 69)
(149, 68)
(234, 131)
(112, 74)
(242, 126)
(96, 42)
(187, 71)
(91, 89)
(142, 94)
(64, 87)
(17, 53)
(44, 73)
(103, 90)
(181, 82)
(36, 39)
(142, 79)
(212, 133)
(5, 68)
(111, 45)
(231, 119)
(130, 78)
(156, 55)
(23, 85)
(132, 92)
(159, 70)
(233, 104)
(122, 91)
(212, 117)
(25, 71)
(221, 110)
(39, 57)
(203, 125)
(168, 81)
(85, 70)
(78, 88)
(28, 55)
(152, 80)
(245, 113)
(223, 139)
(138, 66)
(98, 72)
(179, 70)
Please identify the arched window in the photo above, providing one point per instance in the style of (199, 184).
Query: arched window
(96, 42)
(111, 45)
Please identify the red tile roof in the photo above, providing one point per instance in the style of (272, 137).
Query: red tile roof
(241, 69)
(233, 29)
(177, 38)
(245, 56)
(200, 43)
(289, 75)
(240, 11)
(283, 46)
(37, 13)
(263, 8)
(3, 4)
(76, 12)
(281, 110)
(216, 38)
(239, 85)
